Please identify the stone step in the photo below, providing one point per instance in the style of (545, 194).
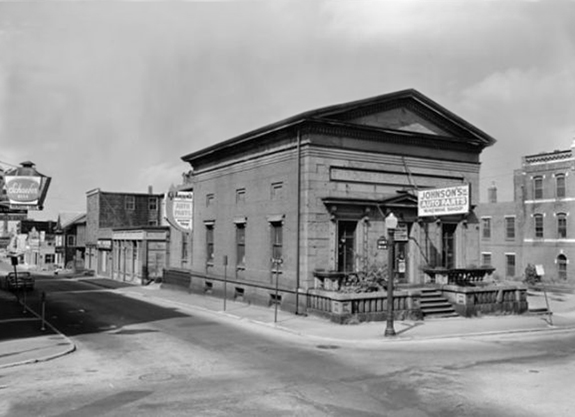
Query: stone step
(441, 315)
(436, 299)
(433, 304)
(438, 304)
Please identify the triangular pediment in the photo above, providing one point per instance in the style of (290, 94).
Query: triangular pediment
(400, 118)
(405, 111)
(405, 116)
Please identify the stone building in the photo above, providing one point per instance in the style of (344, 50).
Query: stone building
(537, 227)
(278, 205)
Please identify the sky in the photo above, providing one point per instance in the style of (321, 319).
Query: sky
(111, 94)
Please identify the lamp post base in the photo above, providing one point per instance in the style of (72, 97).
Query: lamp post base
(389, 332)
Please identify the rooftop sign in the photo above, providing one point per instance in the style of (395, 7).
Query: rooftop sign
(443, 201)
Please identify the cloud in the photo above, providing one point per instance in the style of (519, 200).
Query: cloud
(527, 111)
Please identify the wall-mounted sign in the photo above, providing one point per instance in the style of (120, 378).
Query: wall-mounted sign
(382, 243)
(443, 201)
(105, 244)
(179, 209)
(25, 187)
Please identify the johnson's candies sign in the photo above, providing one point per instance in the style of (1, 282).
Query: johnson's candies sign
(23, 190)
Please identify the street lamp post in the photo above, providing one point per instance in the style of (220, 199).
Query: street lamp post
(390, 225)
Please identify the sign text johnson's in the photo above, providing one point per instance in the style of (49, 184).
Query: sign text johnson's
(443, 201)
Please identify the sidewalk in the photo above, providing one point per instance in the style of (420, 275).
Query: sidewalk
(562, 305)
(23, 338)
(22, 341)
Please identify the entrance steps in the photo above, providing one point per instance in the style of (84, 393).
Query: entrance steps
(434, 305)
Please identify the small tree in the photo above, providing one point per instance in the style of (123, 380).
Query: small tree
(531, 276)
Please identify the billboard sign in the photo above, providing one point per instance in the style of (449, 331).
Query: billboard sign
(443, 201)
(179, 209)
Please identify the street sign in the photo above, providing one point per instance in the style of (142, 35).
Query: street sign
(382, 243)
(401, 233)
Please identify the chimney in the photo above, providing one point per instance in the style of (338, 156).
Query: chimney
(492, 193)
(150, 189)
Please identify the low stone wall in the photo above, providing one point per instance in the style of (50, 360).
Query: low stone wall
(345, 307)
(178, 279)
(470, 301)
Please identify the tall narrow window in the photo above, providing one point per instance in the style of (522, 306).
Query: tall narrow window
(152, 203)
(560, 184)
(538, 188)
(277, 240)
(240, 244)
(486, 259)
(510, 228)
(448, 245)
(130, 202)
(346, 245)
(184, 247)
(209, 243)
(562, 267)
(486, 227)
(538, 222)
(209, 200)
(562, 225)
(509, 264)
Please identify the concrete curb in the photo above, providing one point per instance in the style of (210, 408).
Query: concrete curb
(65, 351)
(367, 342)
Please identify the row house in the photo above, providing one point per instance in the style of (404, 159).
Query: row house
(34, 242)
(538, 227)
(71, 241)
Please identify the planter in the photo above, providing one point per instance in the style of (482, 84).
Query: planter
(457, 276)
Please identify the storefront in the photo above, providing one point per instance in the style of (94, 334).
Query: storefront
(139, 255)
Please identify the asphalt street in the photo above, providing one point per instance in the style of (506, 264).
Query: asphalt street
(136, 357)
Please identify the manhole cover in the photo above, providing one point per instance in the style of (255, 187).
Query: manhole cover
(327, 347)
(156, 376)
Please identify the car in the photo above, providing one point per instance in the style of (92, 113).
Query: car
(23, 280)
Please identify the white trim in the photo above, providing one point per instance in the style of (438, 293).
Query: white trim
(555, 161)
(549, 200)
(549, 240)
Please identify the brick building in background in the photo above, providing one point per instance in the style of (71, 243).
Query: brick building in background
(135, 215)
(538, 226)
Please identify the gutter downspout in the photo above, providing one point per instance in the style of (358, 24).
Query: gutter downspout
(298, 222)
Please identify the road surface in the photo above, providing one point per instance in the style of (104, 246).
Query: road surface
(135, 358)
